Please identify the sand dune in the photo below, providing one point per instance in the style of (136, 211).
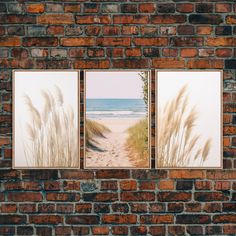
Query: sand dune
(112, 149)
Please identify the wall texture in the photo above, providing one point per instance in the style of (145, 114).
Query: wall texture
(118, 34)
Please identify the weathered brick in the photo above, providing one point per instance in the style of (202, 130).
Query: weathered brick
(174, 196)
(55, 19)
(223, 7)
(224, 218)
(168, 63)
(45, 219)
(111, 30)
(130, 63)
(108, 41)
(75, 42)
(83, 207)
(119, 219)
(14, 219)
(128, 185)
(137, 196)
(63, 230)
(93, 19)
(40, 41)
(24, 196)
(157, 230)
(166, 8)
(35, 8)
(55, 30)
(168, 19)
(15, 8)
(72, 8)
(147, 7)
(17, 19)
(223, 30)
(130, 19)
(193, 219)
(185, 30)
(231, 19)
(204, 7)
(157, 219)
(138, 230)
(91, 7)
(128, 8)
(185, 7)
(88, 64)
(119, 230)
(110, 8)
(10, 42)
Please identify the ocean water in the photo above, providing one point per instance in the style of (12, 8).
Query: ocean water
(115, 108)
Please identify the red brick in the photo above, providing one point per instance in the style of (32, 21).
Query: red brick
(147, 185)
(137, 196)
(10, 42)
(72, 8)
(35, 8)
(29, 185)
(203, 185)
(75, 42)
(147, 8)
(119, 219)
(83, 207)
(204, 30)
(229, 218)
(223, 7)
(185, 7)
(95, 52)
(63, 230)
(25, 196)
(130, 19)
(221, 41)
(188, 52)
(100, 230)
(128, 185)
(115, 52)
(46, 208)
(55, 30)
(82, 219)
(4, 141)
(224, 52)
(174, 196)
(157, 219)
(55, 19)
(76, 52)
(45, 219)
(166, 185)
(52, 185)
(120, 207)
(206, 52)
(7, 230)
(138, 230)
(229, 229)
(60, 196)
(93, 19)
(193, 207)
(109, 185)
(138, 207)
(108, 41)
(129, 30)
(168, 19)
(92, 30)
(205, 63)
(185, 30)
(65, 208)
(176, 230)
(27, 208)
(111, 30)
(80, 230)
(16, 19)
(231, 19)
(169, 52)
(40, 41)
(187, 174)
(119, 230)
(221, 174)
(151, 41)
(168, 63)
(157, 230)
(92, 64)
(69, 185)
(8, 208)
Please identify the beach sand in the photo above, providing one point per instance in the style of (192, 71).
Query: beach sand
(114, 152)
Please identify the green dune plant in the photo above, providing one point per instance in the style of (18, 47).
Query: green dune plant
(52, 133)
(177, 144)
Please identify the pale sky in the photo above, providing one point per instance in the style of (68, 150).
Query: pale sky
(31, 83)
(114, 84)
(204, 89)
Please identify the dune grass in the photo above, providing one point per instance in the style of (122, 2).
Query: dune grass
(177, 139)
(137, 143)
(52, 133)
(94, 129)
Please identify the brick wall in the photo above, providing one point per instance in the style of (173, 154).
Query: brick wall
(118, 34)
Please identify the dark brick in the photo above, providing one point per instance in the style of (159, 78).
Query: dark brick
(14, 219)
(193, 219)
(205, 19)
(129, 8)
(185, 29)
(204, 7)
(213, 230)
(3, 7)
(223, 30)
(194, 230)
(166, 8)
(230, 64)
(184, 185)
(82, 219)
(16, 30)
(25, 230)
(151, 52)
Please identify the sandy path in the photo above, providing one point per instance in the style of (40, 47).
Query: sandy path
(114, 153)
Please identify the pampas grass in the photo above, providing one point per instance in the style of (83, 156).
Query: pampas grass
(177, 144)
(52, 132)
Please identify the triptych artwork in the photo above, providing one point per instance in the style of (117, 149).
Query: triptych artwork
(115, 110)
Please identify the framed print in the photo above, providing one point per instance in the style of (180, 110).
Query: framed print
(45, 119)
(117, 119)
(189, 119)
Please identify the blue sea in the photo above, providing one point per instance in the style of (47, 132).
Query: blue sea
(115, 108)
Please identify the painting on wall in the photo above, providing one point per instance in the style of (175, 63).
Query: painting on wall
(45, 122)
(188, 119)
(117, 119)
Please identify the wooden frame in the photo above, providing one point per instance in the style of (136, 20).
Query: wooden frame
(14, 120)
(221, 119)
(149, 118)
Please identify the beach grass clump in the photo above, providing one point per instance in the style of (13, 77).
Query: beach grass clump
(52, 133)
(94, 129)
(177, 141)
(137, 141)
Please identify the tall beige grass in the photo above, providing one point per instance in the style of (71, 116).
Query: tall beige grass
(94, 129)
(53, 132)
(137, 143)
(177, 142)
